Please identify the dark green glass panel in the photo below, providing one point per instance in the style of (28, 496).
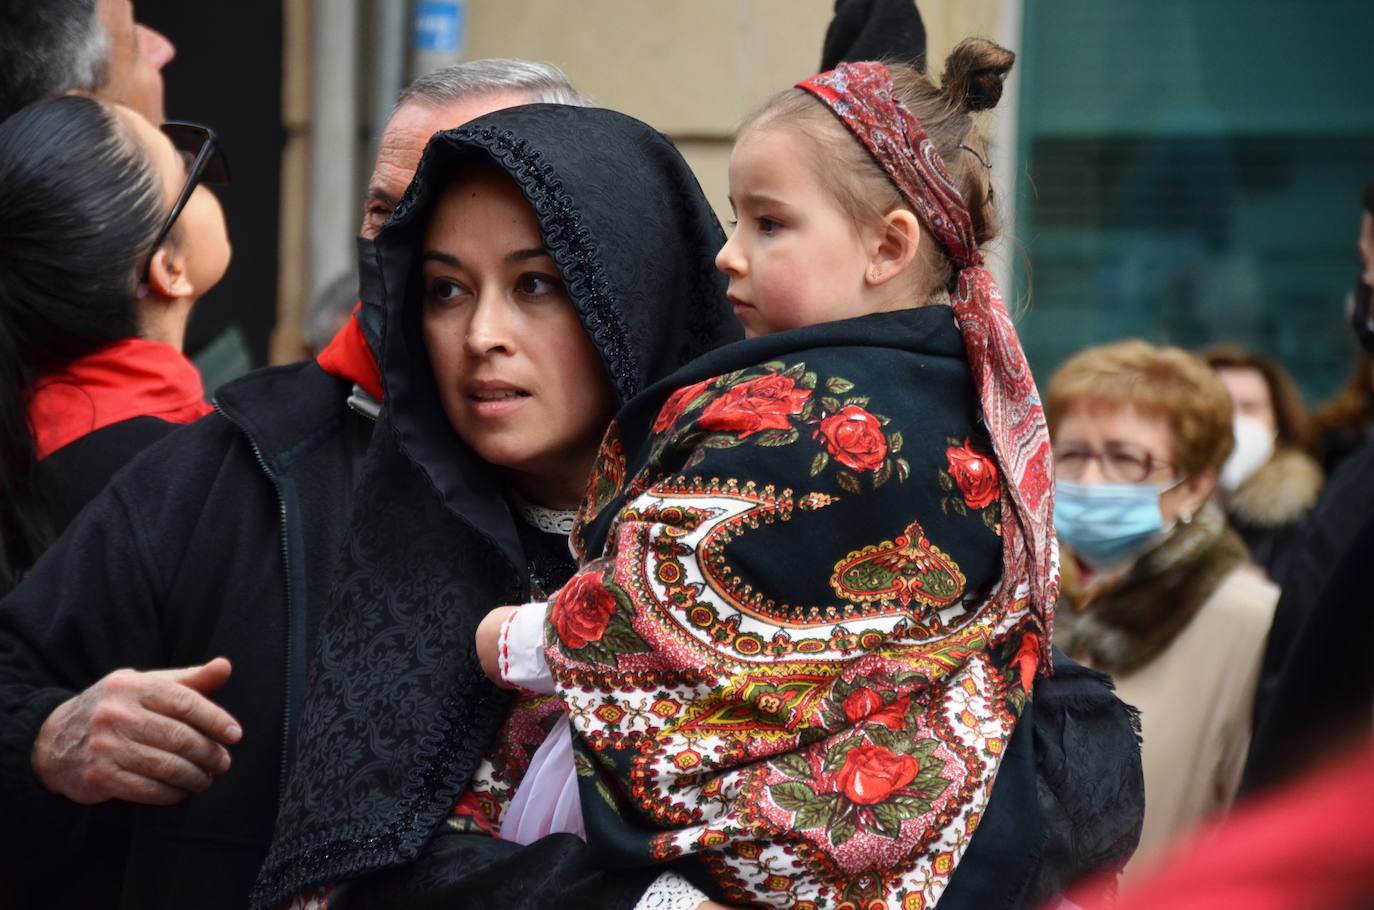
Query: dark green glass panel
(1191, 172)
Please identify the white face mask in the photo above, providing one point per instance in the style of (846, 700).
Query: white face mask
(1254, 447)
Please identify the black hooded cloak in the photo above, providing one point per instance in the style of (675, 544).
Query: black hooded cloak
(398, 714)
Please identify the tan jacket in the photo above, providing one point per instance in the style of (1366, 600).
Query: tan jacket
(1195, 700)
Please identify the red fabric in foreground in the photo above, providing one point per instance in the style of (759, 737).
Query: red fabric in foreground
(1310, 845)
(120, 381)
(349, 356)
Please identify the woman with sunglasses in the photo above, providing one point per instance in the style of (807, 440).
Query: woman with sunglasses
(107, 241)
(1157, 589)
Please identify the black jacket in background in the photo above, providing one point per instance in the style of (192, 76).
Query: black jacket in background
(1316, 690)
(215, 541)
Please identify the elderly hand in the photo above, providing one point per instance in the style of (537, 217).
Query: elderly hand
(489, 644)
(146, 737)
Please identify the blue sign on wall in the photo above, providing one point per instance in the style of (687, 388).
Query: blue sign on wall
(439, 26)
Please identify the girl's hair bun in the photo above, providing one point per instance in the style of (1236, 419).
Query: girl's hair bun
(974, 72)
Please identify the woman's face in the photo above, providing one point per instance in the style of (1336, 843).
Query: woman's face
(1250, 395)
(199, 240)
(1122, 445)
(520, 381)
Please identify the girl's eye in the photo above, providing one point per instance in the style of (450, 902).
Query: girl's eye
(441, 290)
(533, 284)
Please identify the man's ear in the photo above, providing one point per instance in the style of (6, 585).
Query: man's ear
(167, 275)
(892, 247)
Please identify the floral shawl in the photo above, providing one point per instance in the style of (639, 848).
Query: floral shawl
(789, 659)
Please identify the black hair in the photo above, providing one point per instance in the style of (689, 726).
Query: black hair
(49, 48)
(82, 204)
(1369, 197)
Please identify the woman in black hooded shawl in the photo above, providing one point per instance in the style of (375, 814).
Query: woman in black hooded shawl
(398, 715)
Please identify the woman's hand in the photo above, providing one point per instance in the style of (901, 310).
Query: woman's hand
(489, 644)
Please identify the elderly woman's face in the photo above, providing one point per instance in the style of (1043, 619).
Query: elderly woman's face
(1118, 444)
(520, 381)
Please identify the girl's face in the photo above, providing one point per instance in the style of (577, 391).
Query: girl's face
(519, 379)
(795, 257)
(199, 240)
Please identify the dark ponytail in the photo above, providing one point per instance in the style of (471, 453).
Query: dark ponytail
(80, 203)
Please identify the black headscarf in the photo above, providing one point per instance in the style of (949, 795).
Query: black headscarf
(397, 713)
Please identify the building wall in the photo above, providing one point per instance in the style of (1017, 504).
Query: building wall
(694, 70)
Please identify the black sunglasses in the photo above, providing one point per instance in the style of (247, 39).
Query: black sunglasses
(200, 149)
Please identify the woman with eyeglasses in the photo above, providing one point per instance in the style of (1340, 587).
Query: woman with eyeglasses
(1157, 589)
(106, 242)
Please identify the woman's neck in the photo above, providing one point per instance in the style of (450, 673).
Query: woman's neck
(561, 492)
(164, 320)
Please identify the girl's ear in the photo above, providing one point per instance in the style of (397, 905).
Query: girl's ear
(168, 276)
(892, 246)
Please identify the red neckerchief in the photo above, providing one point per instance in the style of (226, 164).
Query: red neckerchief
(349, 356)
(860, 95)
(120, 381)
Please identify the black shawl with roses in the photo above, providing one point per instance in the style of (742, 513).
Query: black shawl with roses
(782, 656)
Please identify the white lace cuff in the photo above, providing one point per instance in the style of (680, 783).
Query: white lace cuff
(671, 891)
(522, 649)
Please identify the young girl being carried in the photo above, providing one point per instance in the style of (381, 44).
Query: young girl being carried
(818, 566)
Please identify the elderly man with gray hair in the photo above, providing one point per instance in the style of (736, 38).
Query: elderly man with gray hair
(258, 497)
(56, 47)
(439, 100)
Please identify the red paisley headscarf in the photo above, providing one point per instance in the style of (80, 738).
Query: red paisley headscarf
(861, 96)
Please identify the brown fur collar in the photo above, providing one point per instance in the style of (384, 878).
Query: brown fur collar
(1280, 493)
(1119, 622)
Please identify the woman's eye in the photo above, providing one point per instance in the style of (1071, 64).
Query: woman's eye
(441, 290)
(533, 284)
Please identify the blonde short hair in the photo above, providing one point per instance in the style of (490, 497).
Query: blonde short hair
(1164, 382)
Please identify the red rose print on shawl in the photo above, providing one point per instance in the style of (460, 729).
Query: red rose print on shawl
(1027, 660)
(855, 438)
(590, 618)
(677, 403)
(865, 705)
(765, 403)
(871, 774)
(582, 611)
(976, 474)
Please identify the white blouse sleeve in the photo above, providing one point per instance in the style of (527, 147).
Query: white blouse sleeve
(522, 649)
(671, 891)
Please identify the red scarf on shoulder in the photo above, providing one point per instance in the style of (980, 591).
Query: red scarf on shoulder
(348, 356)
(120, 381)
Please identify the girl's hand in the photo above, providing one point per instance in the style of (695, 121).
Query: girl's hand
(489, 644)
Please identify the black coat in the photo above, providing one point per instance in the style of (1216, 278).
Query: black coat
(1316, 689)
(76, 473)
(215, 541)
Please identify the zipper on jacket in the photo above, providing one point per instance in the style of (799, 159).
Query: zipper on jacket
(286, 584)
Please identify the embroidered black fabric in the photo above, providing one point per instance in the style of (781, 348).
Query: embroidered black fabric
(397, 713)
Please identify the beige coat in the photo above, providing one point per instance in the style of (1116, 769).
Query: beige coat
(1195, 699)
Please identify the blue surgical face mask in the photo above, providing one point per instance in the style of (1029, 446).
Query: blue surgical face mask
(1106, 524)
